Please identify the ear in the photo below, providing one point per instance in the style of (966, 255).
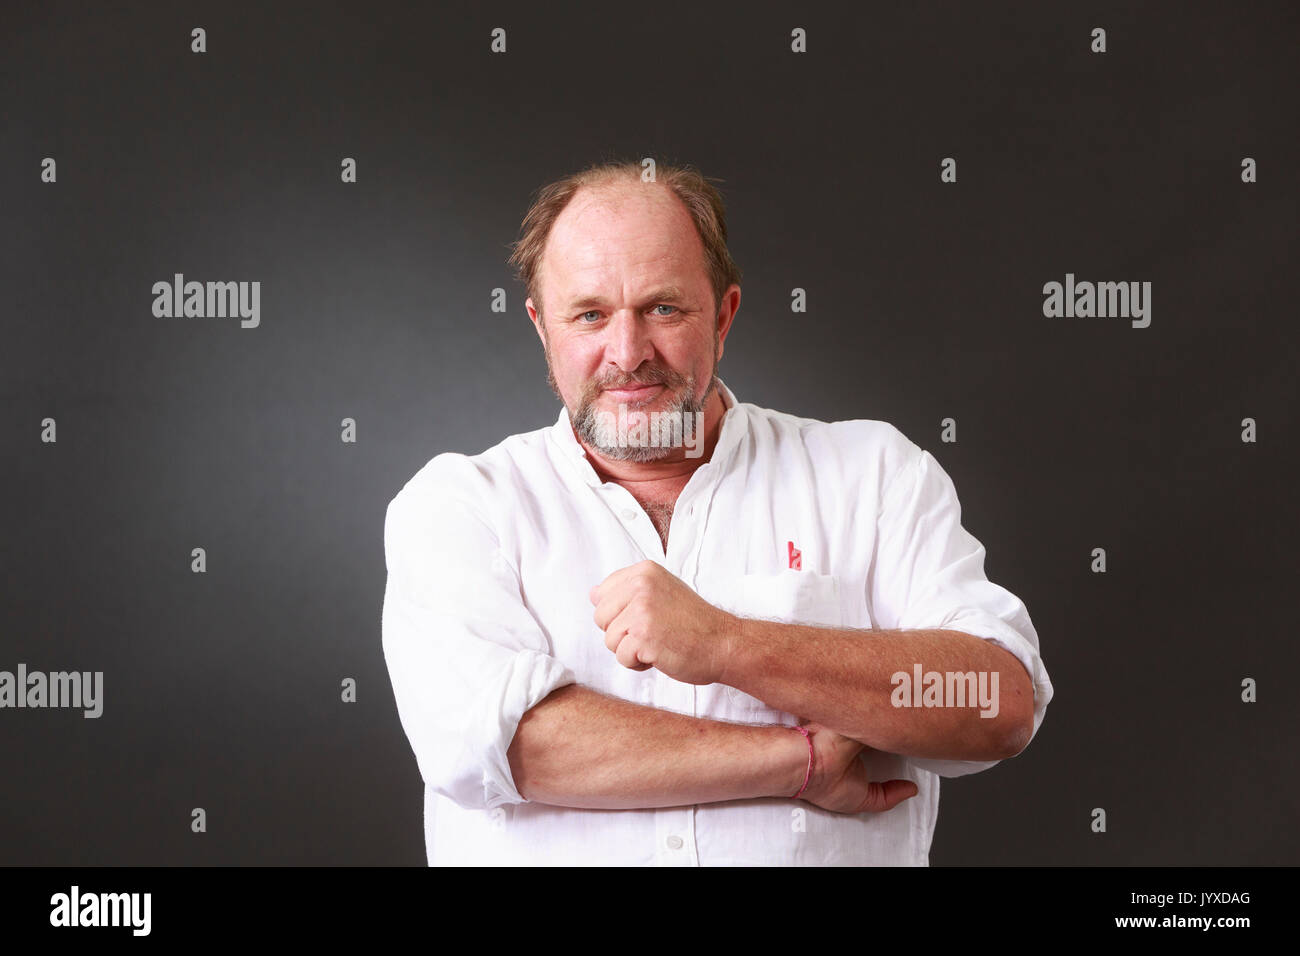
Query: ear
(536, 318)
(726, 315)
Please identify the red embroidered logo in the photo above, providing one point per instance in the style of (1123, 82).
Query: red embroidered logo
(796, 556)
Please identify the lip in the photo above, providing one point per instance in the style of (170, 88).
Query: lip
(635, 391)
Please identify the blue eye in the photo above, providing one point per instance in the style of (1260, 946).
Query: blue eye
(595, 316)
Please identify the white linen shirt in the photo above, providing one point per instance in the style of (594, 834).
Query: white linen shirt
(490, 560)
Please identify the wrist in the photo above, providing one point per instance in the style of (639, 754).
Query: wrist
(791, 751)
(737, 645)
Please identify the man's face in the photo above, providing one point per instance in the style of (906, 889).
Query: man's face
(628, 316)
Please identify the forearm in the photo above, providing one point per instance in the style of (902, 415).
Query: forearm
(580, 748)
(844, 679)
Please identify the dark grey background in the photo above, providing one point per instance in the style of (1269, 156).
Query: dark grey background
(222, 689)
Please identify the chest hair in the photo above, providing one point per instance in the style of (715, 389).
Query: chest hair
(661, 515)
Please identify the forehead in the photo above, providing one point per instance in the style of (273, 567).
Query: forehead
(614, 239)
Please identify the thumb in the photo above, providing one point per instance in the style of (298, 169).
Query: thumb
(885, 796)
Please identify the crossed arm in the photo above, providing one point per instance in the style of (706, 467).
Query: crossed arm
(579, 748)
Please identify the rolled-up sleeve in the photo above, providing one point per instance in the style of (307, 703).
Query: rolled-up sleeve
(466, 657)
(928, 572)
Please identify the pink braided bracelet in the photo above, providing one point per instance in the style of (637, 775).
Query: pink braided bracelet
(807, 775)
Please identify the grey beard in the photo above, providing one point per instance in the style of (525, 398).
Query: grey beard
(588, 427)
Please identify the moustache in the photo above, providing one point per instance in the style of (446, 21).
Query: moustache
(660, 378)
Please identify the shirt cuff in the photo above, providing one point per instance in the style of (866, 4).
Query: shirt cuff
(532, 677)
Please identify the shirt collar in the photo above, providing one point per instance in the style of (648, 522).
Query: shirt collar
(729, 436)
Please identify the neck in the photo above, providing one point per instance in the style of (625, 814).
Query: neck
(675, 466)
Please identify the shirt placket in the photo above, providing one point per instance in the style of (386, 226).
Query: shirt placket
(674, 827)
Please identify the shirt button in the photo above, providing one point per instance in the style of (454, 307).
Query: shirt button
(674, 842)
(629, 514)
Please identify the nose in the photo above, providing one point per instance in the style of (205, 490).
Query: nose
(627, 341)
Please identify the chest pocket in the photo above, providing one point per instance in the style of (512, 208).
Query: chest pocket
(791, 597)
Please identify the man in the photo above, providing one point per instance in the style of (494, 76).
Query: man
(611, 648)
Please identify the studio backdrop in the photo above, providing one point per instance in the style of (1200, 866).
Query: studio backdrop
(1052, 243)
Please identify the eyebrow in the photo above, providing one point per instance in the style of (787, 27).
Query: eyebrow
(665, 294)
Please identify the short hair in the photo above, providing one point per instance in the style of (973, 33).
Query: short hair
(701, 198)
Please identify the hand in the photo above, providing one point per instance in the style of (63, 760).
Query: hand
(651, 618)
(839, 778)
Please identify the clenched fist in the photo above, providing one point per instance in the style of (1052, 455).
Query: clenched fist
(651, 618)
